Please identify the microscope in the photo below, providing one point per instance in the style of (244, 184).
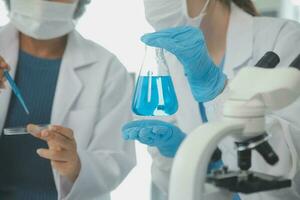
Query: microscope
(253, 93)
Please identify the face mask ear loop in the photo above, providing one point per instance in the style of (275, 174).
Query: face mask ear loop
(204, 10)
(196, 21)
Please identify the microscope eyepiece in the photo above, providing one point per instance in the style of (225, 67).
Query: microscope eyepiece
(267, 152)
(296, 63)
(269, 60)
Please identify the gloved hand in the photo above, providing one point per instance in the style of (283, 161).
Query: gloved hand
(165, 136)
(188, 44)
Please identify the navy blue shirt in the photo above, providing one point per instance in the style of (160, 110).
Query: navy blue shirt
(23, 174)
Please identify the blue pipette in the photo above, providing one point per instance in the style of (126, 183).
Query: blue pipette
(15, 90)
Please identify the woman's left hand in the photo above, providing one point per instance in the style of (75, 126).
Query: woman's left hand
(62, 150)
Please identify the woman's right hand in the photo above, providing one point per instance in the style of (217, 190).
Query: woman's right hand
(3, 66)
(188, 44)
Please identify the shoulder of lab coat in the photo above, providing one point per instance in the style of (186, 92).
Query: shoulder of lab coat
(260, 35)
(278, 35)
(101, 108)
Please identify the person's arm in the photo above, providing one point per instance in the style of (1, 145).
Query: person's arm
(108, 158)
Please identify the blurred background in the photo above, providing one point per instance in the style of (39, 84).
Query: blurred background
(117, 25)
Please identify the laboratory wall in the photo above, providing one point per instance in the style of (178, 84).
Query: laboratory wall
(289, 9)
(118, 25)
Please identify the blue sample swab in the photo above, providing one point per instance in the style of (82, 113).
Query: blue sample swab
(15, 90)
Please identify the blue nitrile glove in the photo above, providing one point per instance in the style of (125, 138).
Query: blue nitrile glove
(215, 165)
(165, 136)
(188, 44)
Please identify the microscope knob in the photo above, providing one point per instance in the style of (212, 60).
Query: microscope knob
(267, 152)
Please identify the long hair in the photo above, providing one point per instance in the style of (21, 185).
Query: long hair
(246, 5)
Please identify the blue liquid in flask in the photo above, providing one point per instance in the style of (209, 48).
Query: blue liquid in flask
(154, 96)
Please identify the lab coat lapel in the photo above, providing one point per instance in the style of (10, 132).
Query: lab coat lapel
(68, 87)
(9, 48)
(78, 55)
(239, 40)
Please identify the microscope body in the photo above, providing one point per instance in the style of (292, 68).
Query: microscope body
(256, 92)
(252, 94)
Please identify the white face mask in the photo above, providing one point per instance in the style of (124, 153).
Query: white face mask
(42, 19)
(196, 21)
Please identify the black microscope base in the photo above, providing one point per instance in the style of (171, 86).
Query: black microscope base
(251, 182)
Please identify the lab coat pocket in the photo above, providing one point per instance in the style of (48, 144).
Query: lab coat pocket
(82, 122)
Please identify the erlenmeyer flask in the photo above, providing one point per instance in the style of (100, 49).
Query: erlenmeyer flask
(154, 92)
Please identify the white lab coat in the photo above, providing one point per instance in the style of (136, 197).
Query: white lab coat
(248, 39)
(93, 99)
